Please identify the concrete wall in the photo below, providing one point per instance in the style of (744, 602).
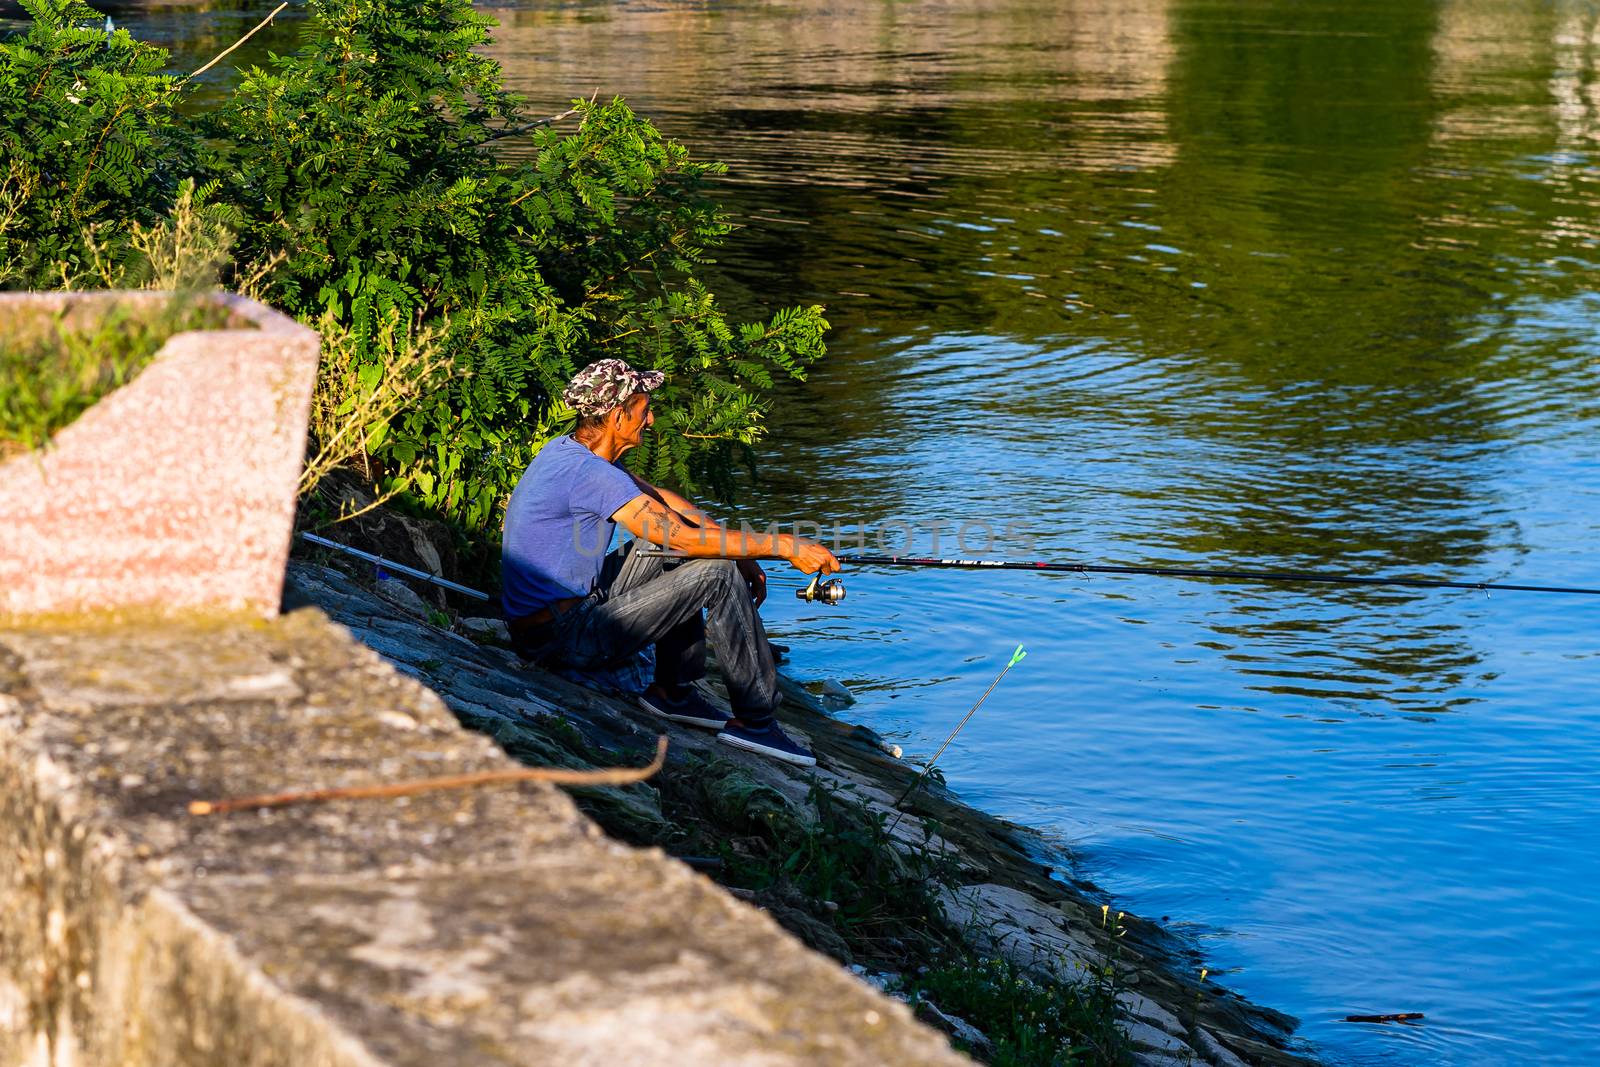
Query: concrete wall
(494, 926)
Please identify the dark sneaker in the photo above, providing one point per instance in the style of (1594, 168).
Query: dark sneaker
(769, 740)
(692, 710)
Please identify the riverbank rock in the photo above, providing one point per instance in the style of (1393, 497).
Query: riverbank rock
(956, 1027)
(833, 695)
(487, 631)
(1009, 898)
(1005, 921)
(401, 596)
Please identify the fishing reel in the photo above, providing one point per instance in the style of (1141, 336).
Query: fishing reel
(826, 592)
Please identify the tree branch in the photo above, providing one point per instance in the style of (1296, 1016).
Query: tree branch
(224, 54)
(534, 125)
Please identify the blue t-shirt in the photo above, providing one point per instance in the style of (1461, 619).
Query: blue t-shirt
(559, 526)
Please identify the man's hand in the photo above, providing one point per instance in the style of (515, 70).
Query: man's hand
(810, 557)
(756, 578)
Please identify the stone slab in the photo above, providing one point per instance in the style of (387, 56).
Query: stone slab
(492, 926)
(174, 493)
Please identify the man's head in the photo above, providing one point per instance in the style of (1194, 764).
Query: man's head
(612, 400)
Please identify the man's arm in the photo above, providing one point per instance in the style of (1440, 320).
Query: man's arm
(651, 518)
(691, 513)
(695, 516)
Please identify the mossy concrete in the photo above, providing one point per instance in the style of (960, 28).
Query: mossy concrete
(492, 926)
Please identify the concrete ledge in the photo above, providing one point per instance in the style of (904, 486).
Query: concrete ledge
(491, 927)
(177, 491)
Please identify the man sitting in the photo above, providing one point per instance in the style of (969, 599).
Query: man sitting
(570, 602)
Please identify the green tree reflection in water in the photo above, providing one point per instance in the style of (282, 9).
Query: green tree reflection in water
(1275, 297)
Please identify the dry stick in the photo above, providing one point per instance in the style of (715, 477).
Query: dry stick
(382, 499)
(1016, 657)
(537, 123)
(239, 42)
(551, 121)
(556, 775)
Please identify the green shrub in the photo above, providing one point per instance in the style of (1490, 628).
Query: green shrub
(362, 167)
(367, 158)
(90, 138)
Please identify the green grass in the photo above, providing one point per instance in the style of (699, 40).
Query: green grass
(1031, 1024)
(882, 902)
(888, 912)
(54, 367)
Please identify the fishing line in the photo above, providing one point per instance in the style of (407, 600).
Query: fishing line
(1016, 657)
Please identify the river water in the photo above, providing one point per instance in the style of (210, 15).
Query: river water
(1229, 282)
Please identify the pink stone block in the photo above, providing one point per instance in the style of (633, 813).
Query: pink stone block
(174, 494)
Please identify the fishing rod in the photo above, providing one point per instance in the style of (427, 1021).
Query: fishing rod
(399, 568)
(832, 591)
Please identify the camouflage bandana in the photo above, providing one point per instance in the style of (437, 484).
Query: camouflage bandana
(602, 387)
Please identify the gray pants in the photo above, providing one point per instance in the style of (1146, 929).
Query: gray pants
(672, 603)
